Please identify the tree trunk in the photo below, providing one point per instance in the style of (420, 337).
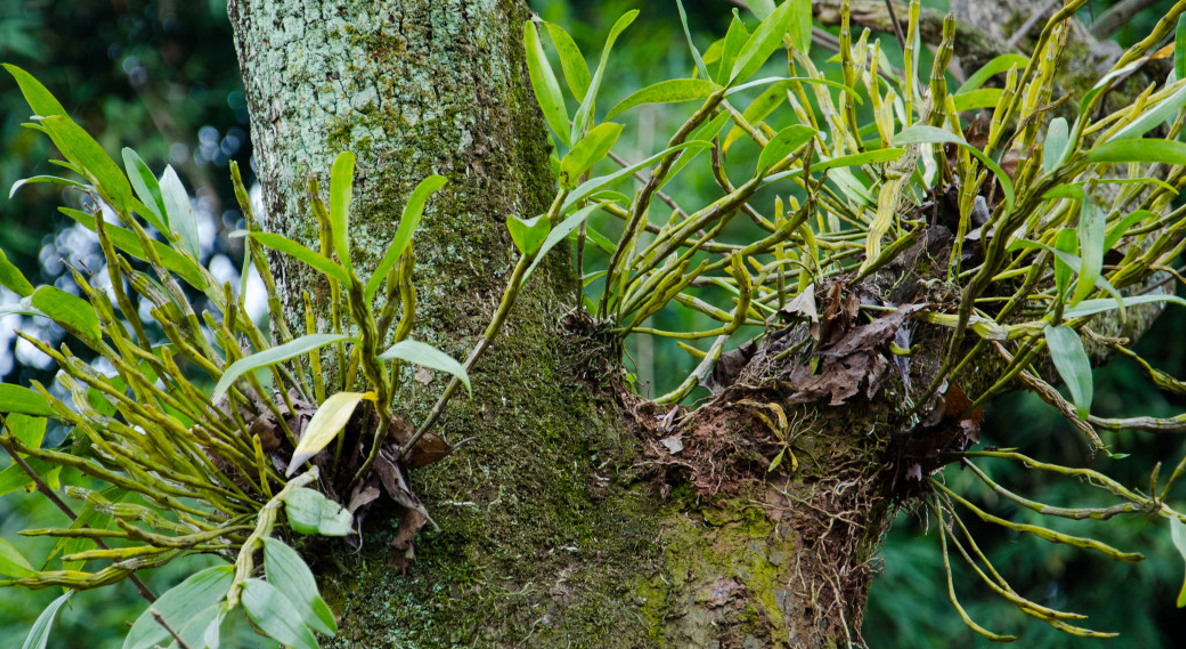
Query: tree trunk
(563, 519)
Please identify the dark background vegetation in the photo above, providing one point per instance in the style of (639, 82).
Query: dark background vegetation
(162, 77)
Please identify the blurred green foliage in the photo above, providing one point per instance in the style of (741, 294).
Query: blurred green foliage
(162, 76)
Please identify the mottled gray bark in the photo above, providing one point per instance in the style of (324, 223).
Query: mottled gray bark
(562, 521)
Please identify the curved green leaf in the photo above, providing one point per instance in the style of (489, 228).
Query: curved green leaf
(198, 592)
(310, 512)
(73, 313)
(341, 191)
(272, 612)
(1141, 150)
(996, 66)
(559, 233)
(12, 278)
(426, 356)
(147, 188)
(180, 213)
(413, 210)
(593, 185)
(591, 149)
(1092, 307)
(923, 134)
(1177, 528)
(572, 62)
(1091, 230)
(1066, 350)
(39, 634)
(271, 356)
(735, 39)
(329, 420)
(92, 161)
(12, 562)
(184, 267)
(1057, 137)
(1151, 118)
(784, 143)
(287, 571)
(585, 112)
(39, 98)
(528, 234)
(57, 180)
(544, 84)
(768, 37)
(973, 99)
(666, 92)
(294, 249)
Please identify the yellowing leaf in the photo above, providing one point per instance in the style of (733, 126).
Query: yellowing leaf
(327, 422)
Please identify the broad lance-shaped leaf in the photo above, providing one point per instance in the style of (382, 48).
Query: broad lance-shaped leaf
(413, 210)
(528, 234)
(734, 40)
(12, 562)
(89, 157)
(593, 185)
(198, 592)
(289, 573)
(1056, 143)
(996, 66)
(1091, 232)
(323, 428)
(1143, 150)
(592, 148)
(147, 188)
(12, 279)
(56, 180)
(184, 267)
(341, 191)
(426, 356)
(1178, 534)
(1150, 119)
(1180, 61)
(73, 313)
(311, 258)
(181, 217)
(572, 62)
(923, 134)
(544, 84)
(1065, 242)
(666, 92)
(768, 37)
(271, 356)
(1092, 307)
(309, 512)
(39, 98)
(783, 144)
(39, 634)
(271, 611)
(1066, 350)
(558, 234)
(585, 112)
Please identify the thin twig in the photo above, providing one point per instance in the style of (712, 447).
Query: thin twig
(1030, 22)
(53, 497)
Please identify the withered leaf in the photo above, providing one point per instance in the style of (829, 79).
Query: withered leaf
(803, 306)
(870, 336)
(673, 444)
(428, 449)
(362, 496)
(729, 366)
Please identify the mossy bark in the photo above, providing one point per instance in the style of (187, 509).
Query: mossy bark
(555, 527)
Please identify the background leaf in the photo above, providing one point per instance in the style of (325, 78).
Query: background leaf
(1066, 350)
(272, 612)
(271, 356)
(198, 592)
(39, 634)
(426, 356)
(310, 512)
(287, 571)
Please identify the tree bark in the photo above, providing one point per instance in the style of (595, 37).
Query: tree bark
(563, 519)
